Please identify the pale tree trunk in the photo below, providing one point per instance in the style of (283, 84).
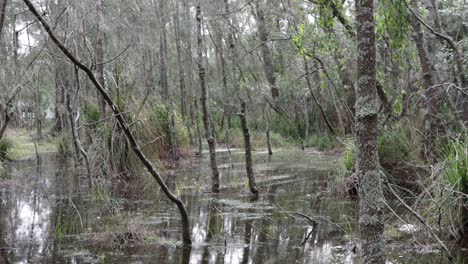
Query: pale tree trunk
(192, 92)
(371, 202)
(182, 83)
(166, 91)
(177, 33)
(206, 122)
(163, 53)
(3, 5)
(100, 59)
(243, 115)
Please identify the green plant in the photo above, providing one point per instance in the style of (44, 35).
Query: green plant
(456, 172)
(6, 146)
(323, 142)
(91, 113)
(64, 145)
(349, 158)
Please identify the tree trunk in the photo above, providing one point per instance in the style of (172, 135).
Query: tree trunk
(431, 121)
(311, 90)
(263, 35)
(367, 107)
(3, 5)
(100, 59)
(163, 53)
(206, 122)
(243, 115)
(183, 107)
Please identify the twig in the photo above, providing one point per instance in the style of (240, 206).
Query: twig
(421, 219)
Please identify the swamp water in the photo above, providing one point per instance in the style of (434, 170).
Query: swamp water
(47, 215)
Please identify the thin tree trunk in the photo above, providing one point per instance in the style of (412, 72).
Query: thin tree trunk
(100, 59)
(263, 35)
(431, 122)
(311, 90)
(307, 120)
(266, 116)
(206, 122)
(243, 115)
(119, 116)
(371, 204)
(183, 107)
(163, 53)
(3, 5)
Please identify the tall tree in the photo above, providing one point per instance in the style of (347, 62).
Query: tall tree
(243, 112)
(203, 97)
(264, 36)
(367, 107)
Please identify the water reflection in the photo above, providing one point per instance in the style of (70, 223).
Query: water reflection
(44, 212)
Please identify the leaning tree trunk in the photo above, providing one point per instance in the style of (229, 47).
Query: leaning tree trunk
(367, 107)
(243, 115)
(119, 116)
(206, 122)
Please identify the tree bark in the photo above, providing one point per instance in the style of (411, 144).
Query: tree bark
(100, 59)
(206, 122)
(177, 33)
(243, 115)
(119, 116)
(432, 104)
(3, 5)
(367, 107)
(264, 37)
(163, 53)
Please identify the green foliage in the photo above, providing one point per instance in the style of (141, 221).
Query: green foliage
(349, 158)
(6, 146)
(64, 145)
(257, 139)
(393, 24)
(456, 156)
(159, 121)
(323, 142)
(91, 113)
(284, 126)
(393, 147)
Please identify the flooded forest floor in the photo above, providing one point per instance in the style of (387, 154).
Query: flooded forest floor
(49, 215)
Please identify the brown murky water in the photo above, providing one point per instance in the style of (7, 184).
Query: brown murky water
(47, 215)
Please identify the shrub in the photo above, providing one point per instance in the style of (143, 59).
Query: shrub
(5, 147)
(64, 145)
(456, 172)
(324, 142)
(91, 113)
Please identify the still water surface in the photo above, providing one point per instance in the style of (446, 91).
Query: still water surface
(48, 215)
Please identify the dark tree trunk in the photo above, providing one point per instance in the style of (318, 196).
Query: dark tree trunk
(431, 103)
(371, 204)
(206, 122)
(263, 35)
(243, 115)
